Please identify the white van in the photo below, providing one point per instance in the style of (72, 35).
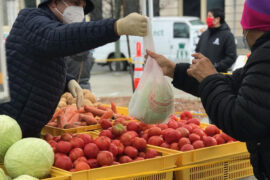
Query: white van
(174, 37)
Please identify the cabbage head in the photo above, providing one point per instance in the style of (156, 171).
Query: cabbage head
(25, 177)
(29, 156)
(10, 132)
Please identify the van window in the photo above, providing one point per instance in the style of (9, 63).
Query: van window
(196, 22)
(180, 30)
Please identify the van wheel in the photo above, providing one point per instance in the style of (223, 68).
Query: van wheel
(118, 65)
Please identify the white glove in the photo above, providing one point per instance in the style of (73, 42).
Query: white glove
(133, 24)
(76, 92)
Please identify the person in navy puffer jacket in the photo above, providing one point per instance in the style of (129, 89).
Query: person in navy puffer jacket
(35, 47)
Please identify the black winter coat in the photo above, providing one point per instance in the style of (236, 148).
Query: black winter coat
(218, 45)
(35, 48)
(239, 104)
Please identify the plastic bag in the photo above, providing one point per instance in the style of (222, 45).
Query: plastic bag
(153, 100)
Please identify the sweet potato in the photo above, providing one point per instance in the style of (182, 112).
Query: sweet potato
(107, 115)
(95, 111)
(113, 107)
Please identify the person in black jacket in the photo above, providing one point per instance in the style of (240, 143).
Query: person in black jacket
(35, 47)
(217, 42)
(238, 104)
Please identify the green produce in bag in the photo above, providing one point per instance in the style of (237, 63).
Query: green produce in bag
(153, 100)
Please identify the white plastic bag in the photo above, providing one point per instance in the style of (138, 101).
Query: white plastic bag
(152, 101)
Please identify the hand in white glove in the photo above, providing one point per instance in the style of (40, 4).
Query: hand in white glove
(133, 24)
(76, 92)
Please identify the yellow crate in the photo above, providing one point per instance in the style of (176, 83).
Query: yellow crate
(166, 161)
(234, 167)
(120, 109)
(59, 131)
(54, 174)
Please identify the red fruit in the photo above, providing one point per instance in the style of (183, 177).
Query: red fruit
(76, 153)
(105, 158)
(194, 121)
(139, 143)
(209, 141)
(183, 131)
(91, 150)
(56, 138)
(79, 160)
(127, 138)
(145, 136)
(211, 130)
(199, 131)
(219, 139)
(183, 141)
(186, 115)
(105, 123)
(172, 124)
(154, 131)
(165, 145)
(56, 155)
(82, 166)
(181, 123)
(66, 137)
(171, 136)
(92, 163)
(133, 133)
(119, 145)
(48, 137)
(125, 159)
(63, 162)
(52, 143)
(174, 146)
(86, 138)
(188, 127)
(194, 137)
(174, 117)
(138, 159)
(115, 163)
(187, 147)
(198, 144)
(194, 126)
(151, 153)
(142, 154)
(113, 149)
(103, 142)
(226, 137)
(162, 126)
(63, 147)
(155, 140)
(118, 129)
(131, 151)
(77, 142)
(133, 126)
(106, 133)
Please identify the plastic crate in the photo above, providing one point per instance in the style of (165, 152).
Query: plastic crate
(168, 160)
(234, 167)
(59, 131)
(54, 174)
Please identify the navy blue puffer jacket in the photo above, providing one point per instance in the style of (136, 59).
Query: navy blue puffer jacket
(35, 48)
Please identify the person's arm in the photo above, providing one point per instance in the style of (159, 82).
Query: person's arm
(240, 112)
(50, 38)
(229, 55)
(184, 82)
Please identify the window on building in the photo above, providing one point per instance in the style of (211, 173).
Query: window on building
(180, 30)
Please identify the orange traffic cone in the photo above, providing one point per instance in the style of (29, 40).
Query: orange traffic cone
(138, 67)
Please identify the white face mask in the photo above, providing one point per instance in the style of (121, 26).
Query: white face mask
(72, 14)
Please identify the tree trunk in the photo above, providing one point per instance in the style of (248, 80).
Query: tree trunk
(96, 14)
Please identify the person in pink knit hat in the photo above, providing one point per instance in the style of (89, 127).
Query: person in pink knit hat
(239, 104)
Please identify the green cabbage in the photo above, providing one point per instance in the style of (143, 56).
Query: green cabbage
(10, 132)
(25, 177)
(2, 174)
(29, 156)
